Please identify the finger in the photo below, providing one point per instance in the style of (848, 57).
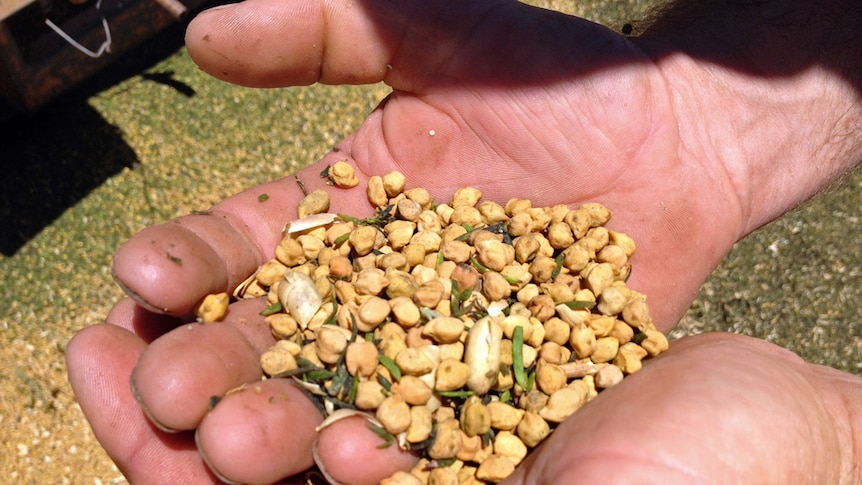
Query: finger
(272, 43)
(178, 374)
(286, 40)
(349, 452)
(267, 43)
(260, 434)
(170, 267)
(100, 359)
(148, 326)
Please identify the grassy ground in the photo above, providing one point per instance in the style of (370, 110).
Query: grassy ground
(156, 138)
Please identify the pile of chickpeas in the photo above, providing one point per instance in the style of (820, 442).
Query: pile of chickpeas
(465, 331)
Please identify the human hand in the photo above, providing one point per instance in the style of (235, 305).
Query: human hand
(521, 103)
(715, 408)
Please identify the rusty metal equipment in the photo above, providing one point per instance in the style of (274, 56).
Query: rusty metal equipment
(49, 46)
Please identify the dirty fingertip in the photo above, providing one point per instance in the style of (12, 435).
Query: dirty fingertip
(168, 269)
(349, 451)
(260, 433)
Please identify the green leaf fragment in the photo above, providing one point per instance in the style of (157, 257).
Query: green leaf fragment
(518, 357)
(579, 305)
(342, 238)
(531, 379)
(428, 314)
(456, 393)
(559, 266)
(386, 436)
(477, 264)
(272, 309)
(391, 366)
(384, 382)
(351, 396)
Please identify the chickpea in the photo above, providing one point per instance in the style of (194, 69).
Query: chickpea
(520, 224)
(394, 414)
(467, 196)
(495, 468)
(533, 429)
(456, 251)
(421, 424)
(369, 395)
(392, 184)
(401, 478)
(509, 445)
(444, 330)
(289, 252)
(429, 294)
(492, 212)
(629, 357)
(406, 312)
(448, 440)
(316, 202)
(276, 361)
(363, 239)
(504, 416)
(400, 284)
(526, 247)
(599, 214)
(409, 210)
(413, 390)
(550, 377)
(428, 239)
(609, 376)
(475, 418)
(655, 343)
(361, 358)
(213, 308)
(372, 312)
(623, 241)
(495, 286)
(399, 233)
(494, 255)
(343, 175)
(468, 215)
(562, 404)
(560, 235)
(451, 375)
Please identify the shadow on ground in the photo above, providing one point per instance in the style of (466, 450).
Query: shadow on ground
(53, 158)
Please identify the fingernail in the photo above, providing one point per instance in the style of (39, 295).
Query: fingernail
(337, 415)
(210, 465)
(146, 410)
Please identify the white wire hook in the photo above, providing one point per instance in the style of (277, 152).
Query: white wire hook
(105, 47)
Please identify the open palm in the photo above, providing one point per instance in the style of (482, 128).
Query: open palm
(516, 101)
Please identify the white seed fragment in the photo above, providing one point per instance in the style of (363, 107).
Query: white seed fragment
(298, 294)
(482, 354)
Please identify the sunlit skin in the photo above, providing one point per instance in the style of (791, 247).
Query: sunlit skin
(518, 102)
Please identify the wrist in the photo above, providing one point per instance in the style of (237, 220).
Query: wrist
(768, 94)
(842, 399)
